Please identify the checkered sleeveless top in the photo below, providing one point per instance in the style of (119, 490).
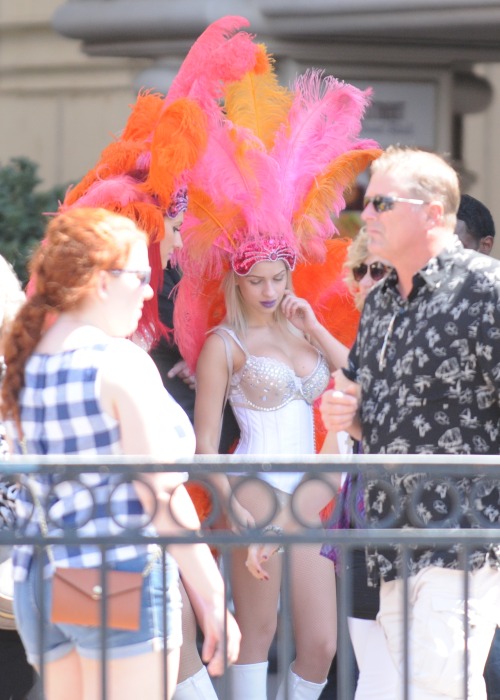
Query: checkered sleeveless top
(61, 414)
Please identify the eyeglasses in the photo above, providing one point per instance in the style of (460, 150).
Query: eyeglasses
(144, 276)
(376, 269)
(383, 203)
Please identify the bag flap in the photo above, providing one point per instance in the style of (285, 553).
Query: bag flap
(86, 581)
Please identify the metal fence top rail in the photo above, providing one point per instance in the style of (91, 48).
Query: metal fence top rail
(459, 464)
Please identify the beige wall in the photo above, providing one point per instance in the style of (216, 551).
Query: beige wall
(60, 107)
(57, 106)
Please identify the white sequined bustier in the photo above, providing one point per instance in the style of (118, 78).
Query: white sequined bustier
(266, 384)
(273, 407)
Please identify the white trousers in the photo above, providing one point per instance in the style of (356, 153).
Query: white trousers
(372, 654)
(437, 641)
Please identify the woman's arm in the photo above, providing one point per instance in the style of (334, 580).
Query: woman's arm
(199, 570)
(212, 378)
(299, 312)
(141, 405)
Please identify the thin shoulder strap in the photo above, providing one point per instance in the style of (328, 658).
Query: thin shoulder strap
(229, 332)
(222, 333)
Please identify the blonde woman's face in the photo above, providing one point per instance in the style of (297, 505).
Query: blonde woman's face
(372, 271)
(367, 282)
(263, 288)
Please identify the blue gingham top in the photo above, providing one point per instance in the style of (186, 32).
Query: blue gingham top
(61, 414)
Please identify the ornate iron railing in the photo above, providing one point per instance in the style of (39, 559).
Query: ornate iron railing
(441, 531)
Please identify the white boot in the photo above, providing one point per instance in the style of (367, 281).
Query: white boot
(249, 681)
(299, 689)
(197, 687)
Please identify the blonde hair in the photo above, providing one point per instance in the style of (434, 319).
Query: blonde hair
(356, 255)
(426, 175)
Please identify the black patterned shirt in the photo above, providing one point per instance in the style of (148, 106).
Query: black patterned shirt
(429, 370)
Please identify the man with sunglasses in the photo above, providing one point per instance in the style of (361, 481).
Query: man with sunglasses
(424, 377)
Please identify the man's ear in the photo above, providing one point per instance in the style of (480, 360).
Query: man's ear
(435, 213)
(486, 245)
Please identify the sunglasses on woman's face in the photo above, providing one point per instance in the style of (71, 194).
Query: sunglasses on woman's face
(377, 271)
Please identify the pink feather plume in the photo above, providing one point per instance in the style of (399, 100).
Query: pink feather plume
(222, 54)
(120, 189)
(324, 121)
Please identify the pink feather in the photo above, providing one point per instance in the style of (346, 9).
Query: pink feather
(246, 176)
(324, 121)
(121, 189)
(222, 54)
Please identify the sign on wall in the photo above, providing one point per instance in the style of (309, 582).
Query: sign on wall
(401, 112)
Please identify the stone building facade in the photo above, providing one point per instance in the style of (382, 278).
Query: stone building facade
(69, 70)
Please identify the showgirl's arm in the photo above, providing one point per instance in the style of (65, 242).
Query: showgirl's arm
(300, 313)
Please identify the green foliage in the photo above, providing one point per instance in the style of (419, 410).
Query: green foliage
(22, 220)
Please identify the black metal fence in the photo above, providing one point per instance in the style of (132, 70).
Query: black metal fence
(365, 531)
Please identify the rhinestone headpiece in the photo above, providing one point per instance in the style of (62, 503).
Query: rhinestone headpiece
(178, 204)
(266, 249)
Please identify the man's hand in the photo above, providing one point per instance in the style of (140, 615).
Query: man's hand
(339, 408)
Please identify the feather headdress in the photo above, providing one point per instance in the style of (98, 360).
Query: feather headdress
(276, 167)
(140, 172)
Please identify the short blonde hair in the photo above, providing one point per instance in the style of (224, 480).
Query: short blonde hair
(426, 176)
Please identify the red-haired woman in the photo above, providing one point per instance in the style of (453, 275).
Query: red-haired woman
(81, 388)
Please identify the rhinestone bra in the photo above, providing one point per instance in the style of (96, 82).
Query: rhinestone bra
(267, 384)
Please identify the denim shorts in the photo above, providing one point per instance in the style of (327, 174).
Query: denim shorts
(61, 639)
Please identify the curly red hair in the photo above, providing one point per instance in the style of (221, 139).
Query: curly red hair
(78, 244)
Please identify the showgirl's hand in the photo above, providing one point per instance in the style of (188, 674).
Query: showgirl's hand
(299, 312)
(213, 645)
(181, 370)
(239, 518)
(257, 555)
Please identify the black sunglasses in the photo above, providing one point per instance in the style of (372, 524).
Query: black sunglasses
(144, 276)
(376, 269)
(383, 203)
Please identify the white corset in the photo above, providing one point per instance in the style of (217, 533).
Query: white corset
(273, 407)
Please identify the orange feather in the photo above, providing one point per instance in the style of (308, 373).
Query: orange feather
(178, 141)
(323, 286)
(258, 102)
(327, 188)
(144, 117)
(206, 221)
